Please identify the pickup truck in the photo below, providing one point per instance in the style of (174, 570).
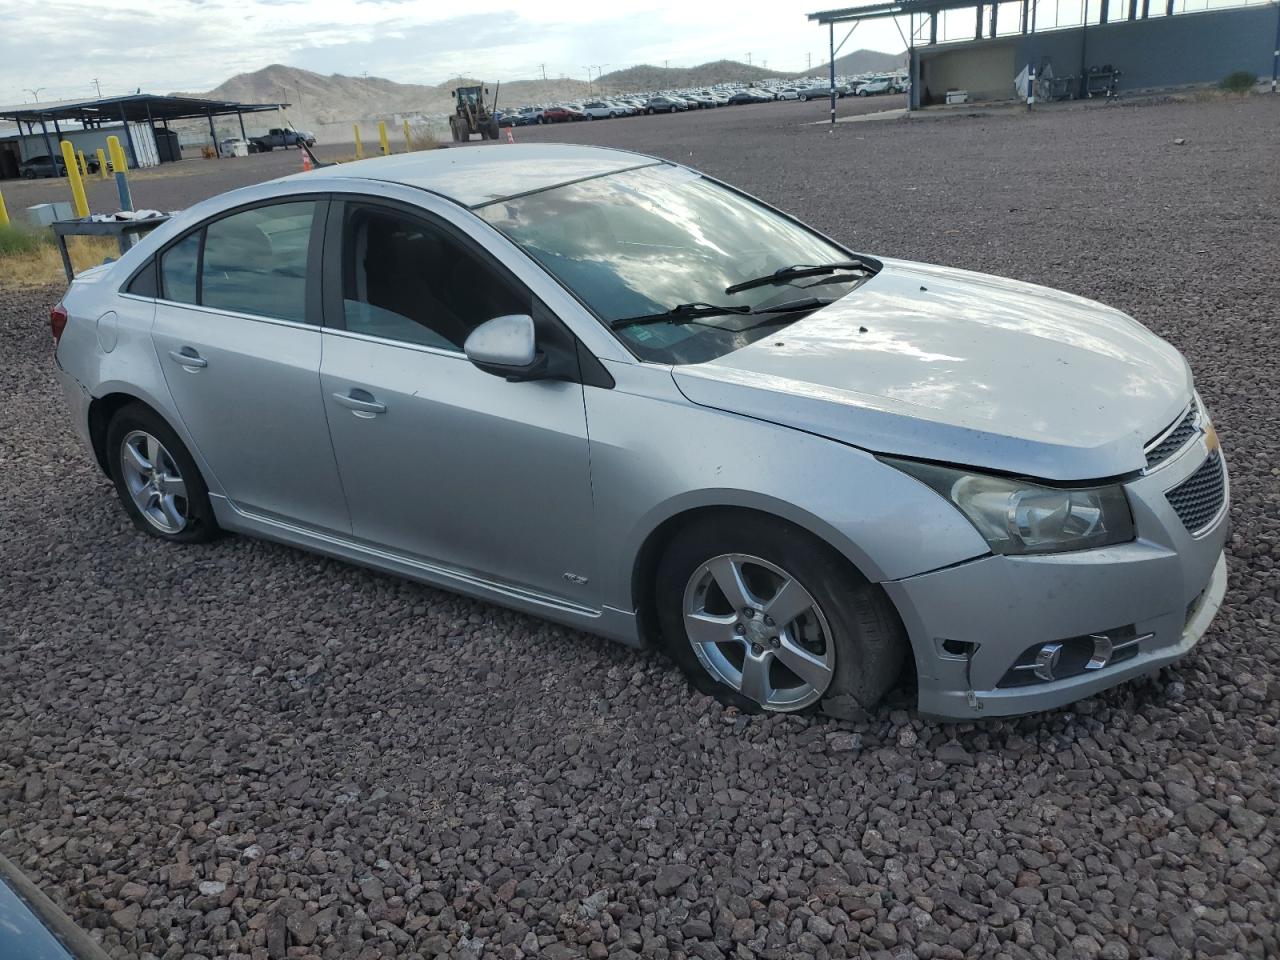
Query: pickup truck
(276, 137)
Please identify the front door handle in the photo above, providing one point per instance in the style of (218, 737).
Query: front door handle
(361, 403)
(188, 357)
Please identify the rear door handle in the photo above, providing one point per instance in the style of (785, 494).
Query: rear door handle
(188, 357)
(360, 403)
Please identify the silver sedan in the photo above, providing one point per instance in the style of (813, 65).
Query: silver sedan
(611, 391)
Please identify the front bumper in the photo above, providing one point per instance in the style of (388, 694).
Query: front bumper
(1163, 588)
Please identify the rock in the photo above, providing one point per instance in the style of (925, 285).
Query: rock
(1200, 818)
(211, 888)
(671, 877)
(1247, 821)
(126, 919)
(953, 753)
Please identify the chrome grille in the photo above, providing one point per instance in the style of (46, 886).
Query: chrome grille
(1198, 499)
(1174, 440)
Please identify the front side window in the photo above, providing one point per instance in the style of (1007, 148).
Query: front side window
(406, 279)
(255, 262)
(644, 241)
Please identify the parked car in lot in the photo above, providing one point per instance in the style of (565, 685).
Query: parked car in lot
(599, 110)
(876, 85)
(527, 116)
(560, 115)
(788, 93)
(748, 96)
(665, 105)
(697, 424)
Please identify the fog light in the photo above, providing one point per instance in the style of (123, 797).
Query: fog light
(1047, 660)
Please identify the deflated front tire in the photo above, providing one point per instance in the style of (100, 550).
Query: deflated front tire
(765, 617)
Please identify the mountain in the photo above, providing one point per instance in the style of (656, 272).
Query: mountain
(863, 61)
(318, 101)
(646, 77)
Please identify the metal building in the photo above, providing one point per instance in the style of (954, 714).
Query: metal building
(1122, 45)
(140, 120)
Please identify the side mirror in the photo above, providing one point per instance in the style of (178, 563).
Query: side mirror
(507, 347)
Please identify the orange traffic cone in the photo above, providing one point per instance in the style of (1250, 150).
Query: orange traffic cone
(510, 136)
(306, 161)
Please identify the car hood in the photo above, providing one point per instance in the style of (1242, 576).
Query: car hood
(940, 364)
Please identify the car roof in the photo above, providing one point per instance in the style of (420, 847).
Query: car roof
(476, 175)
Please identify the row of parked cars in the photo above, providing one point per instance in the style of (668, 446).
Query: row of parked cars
(722, 95)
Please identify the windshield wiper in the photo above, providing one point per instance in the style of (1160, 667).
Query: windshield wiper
(795, 271)
(695, 312)
(680, 313)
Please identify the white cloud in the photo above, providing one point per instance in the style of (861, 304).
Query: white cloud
(60, 46)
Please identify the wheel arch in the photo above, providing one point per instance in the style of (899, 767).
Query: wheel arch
(101, 411)
(650, 552)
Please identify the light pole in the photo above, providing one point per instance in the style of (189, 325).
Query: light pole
(35, 92)
(599, 67)
(97, 86)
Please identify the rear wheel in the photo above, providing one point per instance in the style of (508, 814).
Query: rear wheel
(156, 479)
(767, 618)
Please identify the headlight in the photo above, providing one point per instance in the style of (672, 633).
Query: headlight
(1017, 516)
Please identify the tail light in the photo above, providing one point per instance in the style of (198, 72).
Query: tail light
(57, 323)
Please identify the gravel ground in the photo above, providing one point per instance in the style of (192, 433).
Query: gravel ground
(240, 750)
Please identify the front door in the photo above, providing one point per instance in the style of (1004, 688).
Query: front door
(440, 461)
(240, 344)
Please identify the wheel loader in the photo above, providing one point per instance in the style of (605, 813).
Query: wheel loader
(472, 114)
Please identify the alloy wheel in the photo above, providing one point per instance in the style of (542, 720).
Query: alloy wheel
(154, 482)
(756, 629)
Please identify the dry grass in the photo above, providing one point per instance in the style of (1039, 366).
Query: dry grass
(41, 263)
(420, 139)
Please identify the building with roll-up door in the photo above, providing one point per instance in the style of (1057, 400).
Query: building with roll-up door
(988, 51)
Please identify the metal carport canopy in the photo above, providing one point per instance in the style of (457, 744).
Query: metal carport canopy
(134, 107)
(874, 11)
(131, 108)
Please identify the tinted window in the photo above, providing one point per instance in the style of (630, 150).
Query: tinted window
(178, 268)
(256, 262)
(406, 279)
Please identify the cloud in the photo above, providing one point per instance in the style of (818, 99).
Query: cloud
(196, 44)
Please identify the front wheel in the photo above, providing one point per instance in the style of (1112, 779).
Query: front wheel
(765, 617)
(156, 479)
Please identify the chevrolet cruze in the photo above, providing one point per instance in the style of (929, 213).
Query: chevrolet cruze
(611, 391)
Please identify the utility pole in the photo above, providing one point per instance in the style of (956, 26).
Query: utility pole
(808, 61)
(98, 87)
(748, 58)
(666, 64)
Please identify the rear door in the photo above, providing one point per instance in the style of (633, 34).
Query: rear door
(237, 333)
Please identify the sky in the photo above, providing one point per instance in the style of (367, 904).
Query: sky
(59, 47)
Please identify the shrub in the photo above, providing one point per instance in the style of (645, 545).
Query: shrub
(16, 239)
(1240, 81)
(420, 139)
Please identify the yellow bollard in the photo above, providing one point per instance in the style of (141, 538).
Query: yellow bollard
(103, 172)
(408, 140)
(73, 175)
(118, 162)
(84, 167)
(382, 137)
(4, 214)
(359, 145)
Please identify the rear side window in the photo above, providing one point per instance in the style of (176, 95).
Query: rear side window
(252, 262)
(179, 267)
(256, 261)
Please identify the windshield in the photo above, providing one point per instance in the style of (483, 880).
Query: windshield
(644, 241)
